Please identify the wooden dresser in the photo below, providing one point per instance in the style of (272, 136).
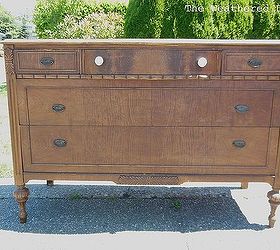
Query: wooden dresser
(144, 112)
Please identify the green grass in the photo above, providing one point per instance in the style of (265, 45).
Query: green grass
(6, 171)
(176, 204)
(75, 196)
(3, 89)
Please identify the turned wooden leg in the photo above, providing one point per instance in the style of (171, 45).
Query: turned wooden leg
(274, 200)
(244, 185)
(21, 196)
(49, 183)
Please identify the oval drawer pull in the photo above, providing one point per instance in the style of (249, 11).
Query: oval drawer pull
(241, 108)
(60, 142)
(239, 143)
(254, 62)
(47, 61)
(58, 107)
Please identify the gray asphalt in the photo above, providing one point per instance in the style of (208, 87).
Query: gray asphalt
(90, 209)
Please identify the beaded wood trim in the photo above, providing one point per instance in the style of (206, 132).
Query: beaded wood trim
(146, 77)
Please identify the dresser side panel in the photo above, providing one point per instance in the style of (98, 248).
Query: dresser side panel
(13, 114)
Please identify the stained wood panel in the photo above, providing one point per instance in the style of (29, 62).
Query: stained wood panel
(63, 62)
(149, 107)
(237, 62)
(149, 145)
(151, 61)
(202, 107)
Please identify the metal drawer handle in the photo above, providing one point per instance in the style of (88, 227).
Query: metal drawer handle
(254, 62)
(47, 61)
(239, 143)
(241, 108)
(58, 107)
(60, 143)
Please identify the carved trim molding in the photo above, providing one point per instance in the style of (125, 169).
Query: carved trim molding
(151, 77)
(148, 180)
(9, 61)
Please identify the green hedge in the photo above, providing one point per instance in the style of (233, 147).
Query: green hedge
(8, 24)
(206, 23)
(156, 19)
(144, 18)
(264, 22)
(193, 24)
(180, 21)
(50, 15)
(276, 32)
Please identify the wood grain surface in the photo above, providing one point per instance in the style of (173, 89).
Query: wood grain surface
(149, 145)
(148, 107)
(64, 61)
(151, 61)
(237, 62)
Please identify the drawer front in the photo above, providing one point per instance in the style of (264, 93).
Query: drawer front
(149, 107)
(251, 63)
(149, 145)
(47, 62)
(150, 61)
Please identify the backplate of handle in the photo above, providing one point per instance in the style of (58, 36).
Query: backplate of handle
(58, 107)
(239, 143)
(47, 61)
(241, 108)
(60, 143)
(254, 62)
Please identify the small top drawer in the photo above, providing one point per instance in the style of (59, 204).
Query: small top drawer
(253, 62)
(47, 61)
(151, 61)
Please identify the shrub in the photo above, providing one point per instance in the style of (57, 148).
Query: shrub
(169, 14)
(191, 22)
(96, 25)
(264, 21)
(220, 20)
(50, 15)
(276, 32)
(184, 19)
(144, 18)
(8, 23)
(239, 24)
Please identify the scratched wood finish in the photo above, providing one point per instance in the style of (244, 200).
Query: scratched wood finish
(148, 113)
(30, 61)
(148, 107)
(151, 61)
(182, 178)
(149, 145)
(237, 63)
(60, 168)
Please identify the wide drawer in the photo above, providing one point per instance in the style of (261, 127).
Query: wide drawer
(150, 61)
(149, 107)
(47, 62)
(254, 62)
(149, 145)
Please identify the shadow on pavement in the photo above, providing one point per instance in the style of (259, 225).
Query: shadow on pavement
(71, 209)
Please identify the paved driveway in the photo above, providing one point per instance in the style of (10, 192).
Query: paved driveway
(114, 217)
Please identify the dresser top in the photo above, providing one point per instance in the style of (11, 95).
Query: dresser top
(173, 42)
